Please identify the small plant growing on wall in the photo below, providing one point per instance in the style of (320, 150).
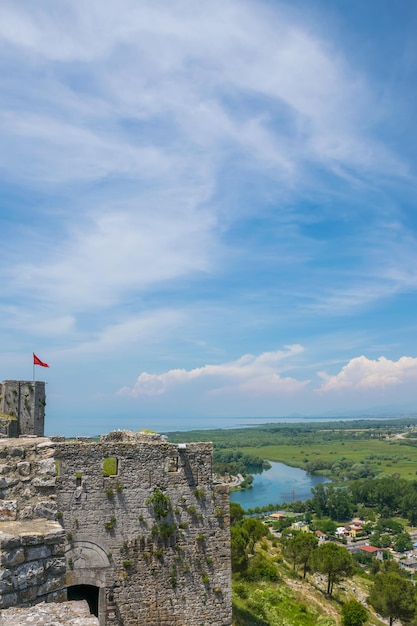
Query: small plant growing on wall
(160, 502)
(111, 524)
(127, 564)
(109, 491)
(204, 577)
(69, 536)
(199, 493)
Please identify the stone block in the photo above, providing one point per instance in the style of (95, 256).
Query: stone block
(47, 509)
(6, 582)
(56, 536)
(8, 510)
(24, 468)
(43, 482)
(7, 600)
(51, 584)
(28, 574)
(12, 558)
(17, 451)
(37, 552)
(46, 467)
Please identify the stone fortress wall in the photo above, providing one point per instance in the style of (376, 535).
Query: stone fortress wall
(132, 523)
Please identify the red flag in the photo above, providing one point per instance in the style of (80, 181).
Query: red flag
(37, 361)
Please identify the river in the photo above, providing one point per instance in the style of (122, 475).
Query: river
(279, 484)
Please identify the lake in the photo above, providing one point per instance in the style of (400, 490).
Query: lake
(279, 484)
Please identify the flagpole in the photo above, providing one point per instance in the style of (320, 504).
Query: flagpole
(33, 368)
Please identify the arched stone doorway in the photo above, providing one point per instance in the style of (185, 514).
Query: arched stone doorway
(87, 564)
(86, 592)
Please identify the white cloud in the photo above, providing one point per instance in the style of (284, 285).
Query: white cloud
(367, 374)
(248, 374)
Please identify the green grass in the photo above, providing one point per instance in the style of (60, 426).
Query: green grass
(394, 457)
(267, 604)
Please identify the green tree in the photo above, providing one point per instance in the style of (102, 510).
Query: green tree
(403, 542)
(333, 561)
(238, 544)
(255, 530)
(305, 544)
(354, 613)
(393, 597)
(289, 548)
(237, 513)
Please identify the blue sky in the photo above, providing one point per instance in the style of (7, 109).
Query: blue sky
(208, 210)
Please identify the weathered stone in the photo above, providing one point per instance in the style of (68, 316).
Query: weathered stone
(31, 539)
(6, 583)
(43, 483)
(23, 468)
(11, 482)
(55, 566)
(17, 452)
(50, 614)
(6, 600)
(51, 584)
(28, 574)
(37, 552)
(8, 510)
(46, 467)
(13, 557)
(26, 513)
(47, 509)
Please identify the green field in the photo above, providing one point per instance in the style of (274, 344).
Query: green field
(386, 457)
(388, 447)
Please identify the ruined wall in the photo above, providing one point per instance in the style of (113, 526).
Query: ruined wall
(25, 401)
(154, 536)
(27, 479)
(32, 563)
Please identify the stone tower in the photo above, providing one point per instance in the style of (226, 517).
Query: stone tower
(22, 408)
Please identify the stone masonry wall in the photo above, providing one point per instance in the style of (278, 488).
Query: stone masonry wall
(27, 479)
(32, 563)
(154, 536)
(25, 401)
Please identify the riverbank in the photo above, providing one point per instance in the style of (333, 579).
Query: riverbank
(281, 483)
